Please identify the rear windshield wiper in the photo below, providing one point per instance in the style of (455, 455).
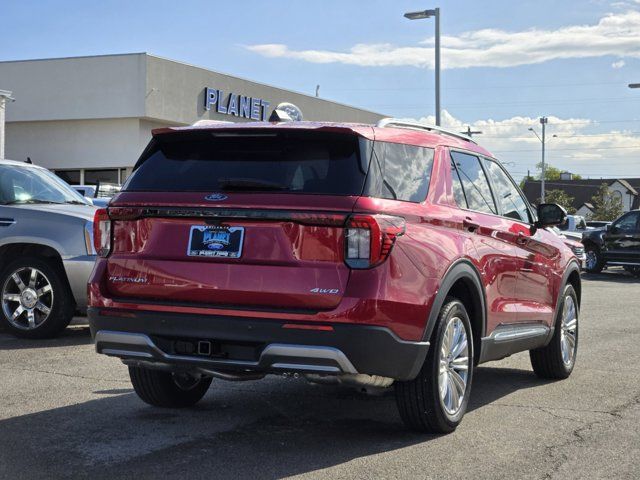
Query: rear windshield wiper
(249, 184)
(75, 202)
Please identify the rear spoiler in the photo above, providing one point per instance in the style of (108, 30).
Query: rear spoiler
(360, 129)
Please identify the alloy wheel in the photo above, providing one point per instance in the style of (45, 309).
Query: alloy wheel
(592, 260)
(454, 366)
(569, 330)
(27, 298)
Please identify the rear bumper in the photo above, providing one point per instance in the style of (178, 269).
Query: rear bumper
(252, 345)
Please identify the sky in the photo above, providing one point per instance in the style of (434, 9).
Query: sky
(505, 63)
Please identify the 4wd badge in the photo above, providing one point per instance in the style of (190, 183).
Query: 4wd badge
(330, 291)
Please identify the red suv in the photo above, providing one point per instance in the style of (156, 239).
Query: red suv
(364, 255)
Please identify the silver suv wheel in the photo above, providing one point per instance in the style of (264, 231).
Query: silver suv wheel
(454, 366)
(27, 298)
(569, 330)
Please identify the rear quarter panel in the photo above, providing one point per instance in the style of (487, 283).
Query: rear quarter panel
(433, 241)
(60, 232)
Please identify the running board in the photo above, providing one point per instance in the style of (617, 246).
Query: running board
(506, 340)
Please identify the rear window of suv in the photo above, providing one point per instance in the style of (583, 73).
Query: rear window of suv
(296, 162)
(399, 172)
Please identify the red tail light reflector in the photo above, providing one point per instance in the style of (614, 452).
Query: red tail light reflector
(102, 232)
(370, 238)
(125, 213)
(303, 326)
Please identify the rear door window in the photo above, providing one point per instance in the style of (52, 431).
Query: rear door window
(474, 183)
(456, 186)
(287, 162)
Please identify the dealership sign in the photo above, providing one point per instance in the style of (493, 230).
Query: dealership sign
(236, 105)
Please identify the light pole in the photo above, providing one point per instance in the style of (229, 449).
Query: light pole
(543, 122)
(428, 14)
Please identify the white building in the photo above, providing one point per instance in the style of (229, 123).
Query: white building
(5, 95)
(88, 118)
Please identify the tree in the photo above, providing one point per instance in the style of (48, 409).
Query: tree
(527, 178)
(560, 197)
(552, 173)
(606, 206)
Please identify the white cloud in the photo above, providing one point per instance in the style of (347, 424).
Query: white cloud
(618, 64)
(575, 148)
(625, 4)
(615, 34)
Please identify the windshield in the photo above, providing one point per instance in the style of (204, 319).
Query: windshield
(22, 185)
(287, 162)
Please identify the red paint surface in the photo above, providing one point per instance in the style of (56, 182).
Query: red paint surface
(283, 261)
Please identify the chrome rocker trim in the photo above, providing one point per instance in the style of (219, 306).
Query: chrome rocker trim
(506, 340)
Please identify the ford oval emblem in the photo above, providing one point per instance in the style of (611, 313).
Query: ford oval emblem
(216, 197)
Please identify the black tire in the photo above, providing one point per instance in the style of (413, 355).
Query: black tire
(599, 263)
(419, 400)
(547, 362)
(162, 389)
(62, 306)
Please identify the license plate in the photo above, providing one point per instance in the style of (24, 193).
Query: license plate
(215, 241)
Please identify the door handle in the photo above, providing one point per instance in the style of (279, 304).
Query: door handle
(469, 225)
(521, 239)
(6, 222)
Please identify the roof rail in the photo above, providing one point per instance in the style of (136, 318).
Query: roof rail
(399, 123)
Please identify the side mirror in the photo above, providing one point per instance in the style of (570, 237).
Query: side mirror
(607, 227)
(550, 214)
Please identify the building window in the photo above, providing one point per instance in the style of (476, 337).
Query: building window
(92, 177)
(72, 177)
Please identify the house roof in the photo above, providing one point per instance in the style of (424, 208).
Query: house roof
(582, 191)
(627, 186)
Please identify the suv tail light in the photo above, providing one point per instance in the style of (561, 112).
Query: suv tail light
(370, 238)
(102, 232)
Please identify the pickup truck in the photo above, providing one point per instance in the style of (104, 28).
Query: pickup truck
(616, 244)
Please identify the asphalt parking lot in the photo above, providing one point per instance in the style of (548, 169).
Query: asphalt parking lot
(67, 412)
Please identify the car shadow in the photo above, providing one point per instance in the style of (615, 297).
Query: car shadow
(616, 275)
(268, 429)
(74, 335)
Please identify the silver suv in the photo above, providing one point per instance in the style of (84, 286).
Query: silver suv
(46, 250)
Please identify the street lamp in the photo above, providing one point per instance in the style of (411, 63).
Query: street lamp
(543, 122)
(634, 85)
(428, 14)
